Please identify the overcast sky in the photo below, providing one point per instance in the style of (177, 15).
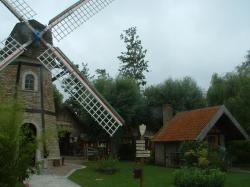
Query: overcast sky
(183, 37)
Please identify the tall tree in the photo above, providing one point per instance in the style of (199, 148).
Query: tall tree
(182, 95)
(124, 95)
(232, 90)
(133, 63)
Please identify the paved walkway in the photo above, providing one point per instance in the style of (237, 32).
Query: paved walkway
(51, 181)
(55, 177)
(239, 170)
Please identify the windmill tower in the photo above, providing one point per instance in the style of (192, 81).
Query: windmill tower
(29, 62)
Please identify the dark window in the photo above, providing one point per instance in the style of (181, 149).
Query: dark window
(29, 82)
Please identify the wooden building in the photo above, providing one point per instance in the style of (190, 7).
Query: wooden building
(70, 130)
(73, 136)
(216, 125)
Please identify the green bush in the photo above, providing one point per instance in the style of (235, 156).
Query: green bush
(16, 158)
(107, 165)
(195, 154)
(202, 155)
(194, 177)
(217, 159)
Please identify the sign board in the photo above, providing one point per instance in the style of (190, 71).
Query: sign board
(140, 141)
(142, 153)
(140, 148)
(140, 145)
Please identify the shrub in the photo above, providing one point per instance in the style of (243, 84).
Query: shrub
(195, 154)
(200, 154)
(218, 159)
(63, 131)
(16, 158)
(107, 165)
(199, 178)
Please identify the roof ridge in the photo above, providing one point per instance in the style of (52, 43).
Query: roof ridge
(197, 109)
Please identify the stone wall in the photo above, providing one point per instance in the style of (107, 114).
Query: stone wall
(48, 91)
(8, 81)
(52, 141)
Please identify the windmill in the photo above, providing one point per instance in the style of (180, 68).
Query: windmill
(30, 39)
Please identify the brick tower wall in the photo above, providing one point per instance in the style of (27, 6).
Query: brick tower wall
(39, 103)
(39, 111)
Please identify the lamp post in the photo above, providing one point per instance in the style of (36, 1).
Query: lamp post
(142, 129)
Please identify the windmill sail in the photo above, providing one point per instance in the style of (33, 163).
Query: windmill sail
(74, 16)
(58, 64)
(20, 9)
(81, 90)
(10, 49)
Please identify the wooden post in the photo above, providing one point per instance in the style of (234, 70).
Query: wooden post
(142, 165)
(141, 151)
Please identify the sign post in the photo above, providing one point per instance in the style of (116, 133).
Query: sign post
(141, 152)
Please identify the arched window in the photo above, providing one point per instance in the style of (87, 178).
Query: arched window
(29, 82)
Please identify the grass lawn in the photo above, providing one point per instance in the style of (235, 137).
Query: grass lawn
(154, 177)
(236, 179)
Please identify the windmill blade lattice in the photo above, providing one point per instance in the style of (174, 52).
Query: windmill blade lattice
(76, 15)
(78, 86)
(10, 49)
(58, 64)
(20, 9)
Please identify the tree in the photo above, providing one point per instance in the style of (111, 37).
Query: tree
(127, 99)
(123, 93)
(182, 95)
(246, 64)
(85, 71)
(102, 73)
(16, 158)
(133, 63)
(58, 98)
(232, 90)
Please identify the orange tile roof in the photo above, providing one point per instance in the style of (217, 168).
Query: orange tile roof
(186, 125)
